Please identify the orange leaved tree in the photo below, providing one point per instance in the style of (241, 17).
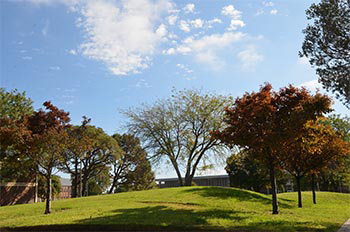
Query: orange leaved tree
(266, 121)
(313, 150)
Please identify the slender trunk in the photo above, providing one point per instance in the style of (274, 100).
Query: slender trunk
(313, 188)
(36, 188)
(178, 173)
(300, 204)
(75, 190)
(273, 189)
(85, 187)
(113, 184)
(48, 195)
(80, 181)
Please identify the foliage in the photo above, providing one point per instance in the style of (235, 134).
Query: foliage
(316, 147)
(99, 183)
(14, 104)
(14, 165)
(266, 121)
(98, 154)
(245, 172)
(42, 137)
(336, 177)
(177, 129)
(79, 143)
(181, 209)
(55, 185)
(131, 171)
(327, 45)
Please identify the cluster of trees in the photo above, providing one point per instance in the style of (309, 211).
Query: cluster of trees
(43, 142)
(248, 173)
(283, 130)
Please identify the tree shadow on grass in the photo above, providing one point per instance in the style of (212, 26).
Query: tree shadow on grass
(239, 194)
(161, 218)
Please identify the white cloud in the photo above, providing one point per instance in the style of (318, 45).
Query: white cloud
(184, 26)
(235, 23)
(311, 85)
(235, 16)
(212, 21)
(161, 31)
(189, 8)
(197, 23)
(274, 11)
(231, 12)
(125, 49)
(172, 19)
(249, 58)
(72, 51)
(206, 49)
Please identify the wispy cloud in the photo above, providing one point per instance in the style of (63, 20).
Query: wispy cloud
(235, 15)
(142, 83)
(27, 58)
(45, 28)
(311, 85)
(250, 58)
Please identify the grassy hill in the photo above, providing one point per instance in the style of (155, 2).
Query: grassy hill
(186, 208)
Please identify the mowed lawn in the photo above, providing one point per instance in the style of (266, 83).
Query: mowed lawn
(185, 208)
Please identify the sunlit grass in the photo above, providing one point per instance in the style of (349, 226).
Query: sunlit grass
(183, 208)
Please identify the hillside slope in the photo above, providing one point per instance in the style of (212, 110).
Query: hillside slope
(186, 208)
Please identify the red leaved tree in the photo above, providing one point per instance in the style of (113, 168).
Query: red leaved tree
(266, 121)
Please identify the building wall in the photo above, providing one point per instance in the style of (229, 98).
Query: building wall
(221, 180)
(12, 193)
(66, 192)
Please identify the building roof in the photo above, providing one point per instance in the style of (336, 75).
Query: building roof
(65, 182)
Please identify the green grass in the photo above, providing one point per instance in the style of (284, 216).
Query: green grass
(186, 208)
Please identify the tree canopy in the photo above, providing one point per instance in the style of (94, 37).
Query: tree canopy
(327, 45)
(178, 129)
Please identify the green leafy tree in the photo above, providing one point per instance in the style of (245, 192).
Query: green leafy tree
(14, 166)
(131, 171)
(177, 130)
(99, 183)
(245, 172)
(14, 104)
(327, 45)
(55, 185)
(79, 143)
(266, 121)
(98, 154)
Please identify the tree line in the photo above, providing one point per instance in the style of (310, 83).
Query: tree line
(42, 142)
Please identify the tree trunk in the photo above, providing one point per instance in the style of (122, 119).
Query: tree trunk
(313, 188)
(300, 204)
(36, 188)
(48, 195)
(273, 189)
(188, 180)
(80, 180)
(85, 186)
(75, 190)
(113, 185)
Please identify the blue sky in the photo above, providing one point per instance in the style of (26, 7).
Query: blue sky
(95, 57)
